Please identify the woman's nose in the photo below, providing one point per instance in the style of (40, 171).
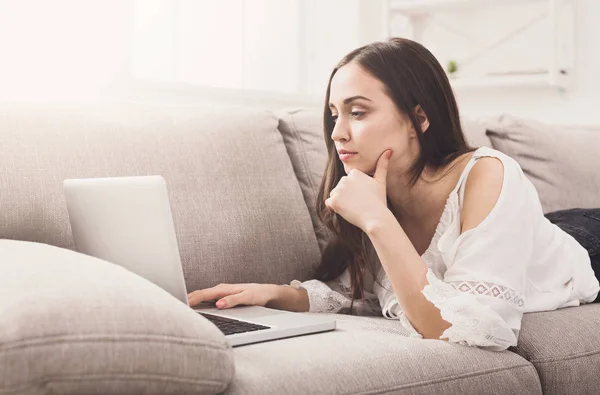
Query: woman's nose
(340, 131)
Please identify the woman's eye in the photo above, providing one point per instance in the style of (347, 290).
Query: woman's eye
(353, 114)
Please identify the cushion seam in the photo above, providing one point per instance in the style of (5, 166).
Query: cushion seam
(565, 358)
(44, 341)
(449, 378)
(126, 377)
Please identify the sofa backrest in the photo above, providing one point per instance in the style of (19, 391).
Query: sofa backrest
(561, 161)
(302, 131)
(243, 182)
(238, 209)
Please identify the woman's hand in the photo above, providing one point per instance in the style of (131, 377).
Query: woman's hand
(361, 199)
(230, 295)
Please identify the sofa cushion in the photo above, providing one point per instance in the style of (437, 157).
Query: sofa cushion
(367, 355)
(564, 347)
(561, 162)
(237, 206)
(73, 324)
(474, 130)
(302, 131)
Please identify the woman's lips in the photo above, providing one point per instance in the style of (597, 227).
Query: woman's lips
(346, 156)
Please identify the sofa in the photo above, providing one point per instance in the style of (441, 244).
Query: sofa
(242, 183)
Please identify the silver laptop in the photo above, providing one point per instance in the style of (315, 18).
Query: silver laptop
(128, 221)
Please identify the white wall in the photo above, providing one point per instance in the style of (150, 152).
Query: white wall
(75, 48)
(577, 105)
(105, 48)
(58, 48)
(327, 30)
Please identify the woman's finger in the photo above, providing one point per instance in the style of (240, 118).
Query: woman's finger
(234, 300)
(207, 294)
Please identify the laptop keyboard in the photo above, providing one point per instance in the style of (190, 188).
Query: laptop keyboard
(230, 326)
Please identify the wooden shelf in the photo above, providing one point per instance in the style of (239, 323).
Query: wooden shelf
(417, 7)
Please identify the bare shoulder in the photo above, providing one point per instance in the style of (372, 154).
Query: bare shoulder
(482, 190)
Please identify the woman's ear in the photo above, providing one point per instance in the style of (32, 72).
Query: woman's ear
(422, 118)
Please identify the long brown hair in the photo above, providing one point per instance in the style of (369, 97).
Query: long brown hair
(412, 76)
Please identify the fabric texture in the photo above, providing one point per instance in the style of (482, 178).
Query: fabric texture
(302, 131)
(483, 280)
(256, 227)
(369, 355)
(564, 347)
(557, 160)
(74, 324)
(238, 209)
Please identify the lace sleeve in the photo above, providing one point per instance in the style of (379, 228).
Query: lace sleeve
(334, 297)
(482, 314)
(473, 308)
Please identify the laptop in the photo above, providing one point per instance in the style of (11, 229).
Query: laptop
(128, 221)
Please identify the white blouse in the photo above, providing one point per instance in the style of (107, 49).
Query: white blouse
(482, 281)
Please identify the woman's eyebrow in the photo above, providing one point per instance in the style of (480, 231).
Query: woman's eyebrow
(351, 99)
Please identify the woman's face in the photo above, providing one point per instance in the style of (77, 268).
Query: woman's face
(367, 121)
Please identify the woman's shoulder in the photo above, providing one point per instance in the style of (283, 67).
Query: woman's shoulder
(488, 152)
(494, 183)
(487, 160)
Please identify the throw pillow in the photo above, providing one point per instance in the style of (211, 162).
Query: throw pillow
(561, 162)
(74, 324)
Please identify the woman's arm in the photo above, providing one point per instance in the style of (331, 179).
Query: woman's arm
(407, 273)
(404, 266)
(290, 299)
(331, 297)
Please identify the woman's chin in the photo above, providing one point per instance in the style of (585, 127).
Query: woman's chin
(347, 169)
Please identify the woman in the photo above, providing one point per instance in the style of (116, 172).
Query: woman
(448, 239)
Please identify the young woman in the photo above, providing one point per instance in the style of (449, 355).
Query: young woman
(449, 240)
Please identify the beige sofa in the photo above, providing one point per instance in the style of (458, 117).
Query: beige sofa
(242, 183)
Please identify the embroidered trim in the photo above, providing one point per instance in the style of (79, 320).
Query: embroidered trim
(472, 323)
(489, 289)
(332, 298)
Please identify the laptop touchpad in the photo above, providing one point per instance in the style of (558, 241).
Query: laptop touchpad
(242, 312)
